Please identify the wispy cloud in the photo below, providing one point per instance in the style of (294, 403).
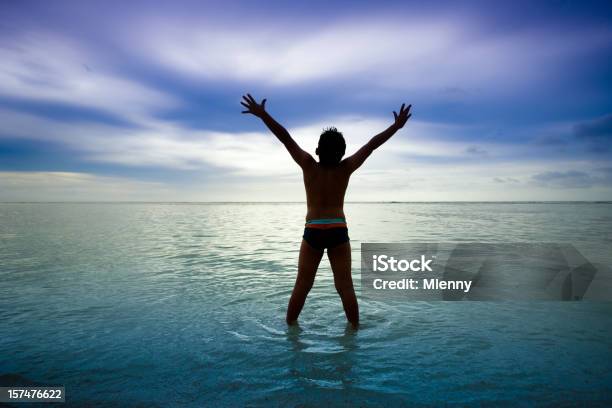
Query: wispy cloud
(597, 133)
(71, 186)
(246, 153)
(47, 67)
(412, 53)
(573, 178)
(167, 80)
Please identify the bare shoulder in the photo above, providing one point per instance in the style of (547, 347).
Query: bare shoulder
(345, 165)
(308, 163)
(309, 166)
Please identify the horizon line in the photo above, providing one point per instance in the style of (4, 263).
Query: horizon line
(304, 202)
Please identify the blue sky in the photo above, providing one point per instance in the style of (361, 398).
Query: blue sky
(140, 101)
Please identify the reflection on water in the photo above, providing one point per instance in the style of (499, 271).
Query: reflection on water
(150, 304)
(310, 357)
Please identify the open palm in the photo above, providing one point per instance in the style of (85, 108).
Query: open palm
(252, 106)
(402, 117)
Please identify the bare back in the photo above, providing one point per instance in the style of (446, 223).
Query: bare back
(325, 189)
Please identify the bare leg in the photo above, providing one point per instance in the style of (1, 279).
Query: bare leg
(340, 260)
(307, 269)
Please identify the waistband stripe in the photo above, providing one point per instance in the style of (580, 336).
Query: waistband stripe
(326, 226)
(327, 221)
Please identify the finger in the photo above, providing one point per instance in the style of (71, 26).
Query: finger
(263, 103)
(402, 108)
(244, 104)
(395, 115)
(246, 111)
(409, 116)
(251, 98)
(409, 106)
(246, 99)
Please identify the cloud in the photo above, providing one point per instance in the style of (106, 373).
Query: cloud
(596, 133)
(506, 180)
(47, 67)
(449, 59)
(74, 186)
(571, 179)
(476, 151)
(596, 129)
(423, 160)
(241, 153)
(283, 55)
(413, 53)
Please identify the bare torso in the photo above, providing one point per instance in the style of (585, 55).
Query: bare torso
(325, 189)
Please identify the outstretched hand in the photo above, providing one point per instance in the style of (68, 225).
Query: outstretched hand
(402, 117)
(252, 106)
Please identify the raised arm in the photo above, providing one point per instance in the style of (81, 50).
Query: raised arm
(301, 157)
(356, 160)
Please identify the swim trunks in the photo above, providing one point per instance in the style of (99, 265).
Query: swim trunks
(326, 233)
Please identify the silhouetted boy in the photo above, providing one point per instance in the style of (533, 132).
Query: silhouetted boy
(325, 183)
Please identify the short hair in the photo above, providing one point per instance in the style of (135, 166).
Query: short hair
(331, 146)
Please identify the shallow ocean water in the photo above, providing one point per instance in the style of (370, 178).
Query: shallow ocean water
(183, 305)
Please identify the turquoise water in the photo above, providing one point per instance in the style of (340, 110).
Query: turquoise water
(183, 305)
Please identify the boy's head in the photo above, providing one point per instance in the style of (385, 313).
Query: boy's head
(331, 147)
